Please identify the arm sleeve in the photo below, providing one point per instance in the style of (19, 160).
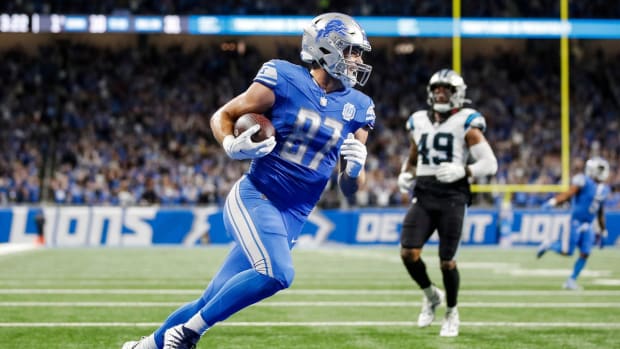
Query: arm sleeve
(486, 163)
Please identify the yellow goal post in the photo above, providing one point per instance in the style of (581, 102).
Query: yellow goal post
(508, 189)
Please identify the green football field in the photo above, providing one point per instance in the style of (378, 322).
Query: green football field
(342, 297)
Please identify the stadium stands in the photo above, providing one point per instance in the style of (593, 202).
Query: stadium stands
(485, 8)
(131, 125)
(88, 125)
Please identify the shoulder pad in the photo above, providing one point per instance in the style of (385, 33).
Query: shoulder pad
(474, 119)
(579, 180)
(410, 122)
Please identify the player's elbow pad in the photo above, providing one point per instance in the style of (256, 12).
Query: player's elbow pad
(486, 163)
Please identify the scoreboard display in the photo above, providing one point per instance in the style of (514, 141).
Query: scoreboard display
(96, 24)
(293, 25)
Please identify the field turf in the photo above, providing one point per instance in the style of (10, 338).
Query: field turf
(342, 297)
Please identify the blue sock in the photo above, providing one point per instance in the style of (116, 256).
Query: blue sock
(243, 289)
(579, 264)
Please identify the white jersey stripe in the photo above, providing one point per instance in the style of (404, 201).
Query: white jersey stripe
(268, 74)
(259, 257)
(233, 221)
(243, 228)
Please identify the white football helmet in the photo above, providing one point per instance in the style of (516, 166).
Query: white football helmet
(597, 168)
(447, 77)
(329, 40)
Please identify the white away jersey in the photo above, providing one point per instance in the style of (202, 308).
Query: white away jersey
(442, 142)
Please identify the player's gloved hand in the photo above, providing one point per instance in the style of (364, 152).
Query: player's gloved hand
(355, 153)
(449, 172)
(599, 239)
(242, 147)
(406, 180)
(549, 204)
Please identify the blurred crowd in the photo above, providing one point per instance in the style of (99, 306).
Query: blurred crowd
(425, 8)
(86, 125)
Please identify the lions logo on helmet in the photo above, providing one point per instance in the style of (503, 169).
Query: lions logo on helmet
(455, 82)
(335, 25)
(597, 168)
(326, 41)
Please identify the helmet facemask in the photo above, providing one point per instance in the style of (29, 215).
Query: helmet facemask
(445, 105)
(457, 88)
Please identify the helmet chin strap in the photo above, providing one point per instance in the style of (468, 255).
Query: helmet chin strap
(345, 80)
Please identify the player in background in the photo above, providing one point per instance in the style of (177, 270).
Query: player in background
(587, 193)
(320, 122)
(442, 140)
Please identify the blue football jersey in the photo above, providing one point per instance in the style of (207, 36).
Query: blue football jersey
(310, 128)
(589, 199)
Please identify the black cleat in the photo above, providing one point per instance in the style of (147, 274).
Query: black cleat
(180, 337)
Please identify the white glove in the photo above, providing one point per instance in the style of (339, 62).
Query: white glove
(242, 147)
(355, 154)
(449, 172)
(406, 180)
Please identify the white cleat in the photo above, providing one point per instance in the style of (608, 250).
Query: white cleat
(144, 343)
(450, 324)
(130, 345)
(429, 307)
(571, 284)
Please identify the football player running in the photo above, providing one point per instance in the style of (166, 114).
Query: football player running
(320, 122)
(442, 140)
(587, 193)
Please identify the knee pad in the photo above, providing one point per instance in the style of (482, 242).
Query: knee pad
(283, 274)
(410, 255)
(447, 265)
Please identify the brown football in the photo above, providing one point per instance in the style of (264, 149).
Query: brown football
(248, 120)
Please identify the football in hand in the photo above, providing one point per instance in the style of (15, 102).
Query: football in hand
(248, 120)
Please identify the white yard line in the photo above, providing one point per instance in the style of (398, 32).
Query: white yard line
(613, 325)
(511, 268)
(321, 304)
(11, 248)
(606, 282)
(99, 291)
(93, 282)
(312, 292)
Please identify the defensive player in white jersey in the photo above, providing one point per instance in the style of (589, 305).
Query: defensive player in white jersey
(442, 141)
(318, 118)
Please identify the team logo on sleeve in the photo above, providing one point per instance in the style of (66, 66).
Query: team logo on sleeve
(269, 72)
(370, 113)
(348, 112)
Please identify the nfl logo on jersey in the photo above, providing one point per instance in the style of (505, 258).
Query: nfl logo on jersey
(348, 112)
